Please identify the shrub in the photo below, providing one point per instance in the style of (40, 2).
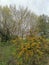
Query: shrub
(33, 52)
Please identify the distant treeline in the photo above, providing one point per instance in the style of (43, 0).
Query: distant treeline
(21, 22)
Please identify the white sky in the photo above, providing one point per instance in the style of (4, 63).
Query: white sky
(37, 6)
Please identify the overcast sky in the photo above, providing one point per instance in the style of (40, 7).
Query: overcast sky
(37, 6)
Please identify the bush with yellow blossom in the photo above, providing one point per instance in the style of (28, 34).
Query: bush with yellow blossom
(32, 52)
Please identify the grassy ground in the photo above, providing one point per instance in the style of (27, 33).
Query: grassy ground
(6, 53)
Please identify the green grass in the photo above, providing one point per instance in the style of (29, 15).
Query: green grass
(6, 53)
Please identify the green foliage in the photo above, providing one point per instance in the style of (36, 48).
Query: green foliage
(42, 25)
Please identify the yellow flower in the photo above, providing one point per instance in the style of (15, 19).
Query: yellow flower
(38, 45)
(14, 41)
(40, 52)
(28, 45)
(20, 54)
(33, 44)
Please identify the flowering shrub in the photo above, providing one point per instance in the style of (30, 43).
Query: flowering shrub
(33, 52)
